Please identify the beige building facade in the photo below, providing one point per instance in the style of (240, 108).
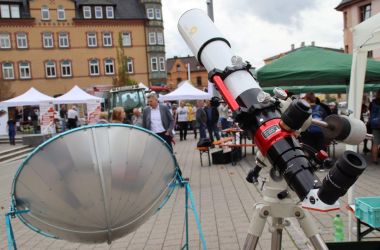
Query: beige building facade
(178, 70)
(54, 45)
(355, 12)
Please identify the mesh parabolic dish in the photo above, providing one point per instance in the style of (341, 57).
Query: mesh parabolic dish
(94, 184)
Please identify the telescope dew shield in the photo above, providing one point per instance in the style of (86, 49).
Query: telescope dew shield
(213, 50)
(94, 184)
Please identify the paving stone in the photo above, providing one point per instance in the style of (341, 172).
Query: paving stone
(224, 201)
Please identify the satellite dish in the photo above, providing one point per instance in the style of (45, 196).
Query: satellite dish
(94, 184)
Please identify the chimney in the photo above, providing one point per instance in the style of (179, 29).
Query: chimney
(292, 47)
(303, 44)
(312, 43)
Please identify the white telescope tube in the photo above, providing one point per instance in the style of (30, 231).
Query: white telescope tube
(213, 50)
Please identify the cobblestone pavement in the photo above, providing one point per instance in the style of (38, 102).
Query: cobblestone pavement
(224, 201)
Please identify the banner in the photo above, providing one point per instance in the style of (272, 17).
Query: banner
(93, 112)
(47, 118)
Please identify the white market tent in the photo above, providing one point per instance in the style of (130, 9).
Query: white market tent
(186, 91)
(30, 97)
(77, 95)
(142, 85)
(366, 37)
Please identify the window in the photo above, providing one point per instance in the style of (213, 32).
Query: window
(63, 39)
(86, 12)
(178, 67)
(66, 68)
(107, 39)
(109, 12)
(365, 12)
(150, 13)
(162, 63)
(8, 73)
(199, 81)
(91, 40)
(153, 64)
(98, 12)
(94, 67)
(15, 11)
(126, 37)
(160, 38)
(45, 15)
(4, 9)
(179, 79)
(109, 67)
(5, 41)
(24, 68)
(50, 69)
(158, 14)
(152, 38)
(48, 40)
(61, 13)
(21, 40)
(130, 65)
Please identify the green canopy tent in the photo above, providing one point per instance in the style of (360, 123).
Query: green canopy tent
(314, 66)
(324, 89)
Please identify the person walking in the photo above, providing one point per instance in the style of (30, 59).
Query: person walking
(201, 119)
(63, 118)
(191, 118)
(11, 125)
(72, 117)
(182, 113)
(374, 121)
(158, 119)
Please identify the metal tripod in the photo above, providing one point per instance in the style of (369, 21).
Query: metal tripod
(279, 209)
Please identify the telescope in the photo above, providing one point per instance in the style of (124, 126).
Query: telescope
(273, 123)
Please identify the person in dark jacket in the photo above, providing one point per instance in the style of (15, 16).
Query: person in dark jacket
(212, 121)
(374, 121)
(201, 119)
(11, 125)
(157, 118)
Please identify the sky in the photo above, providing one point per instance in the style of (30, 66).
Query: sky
(258, 29)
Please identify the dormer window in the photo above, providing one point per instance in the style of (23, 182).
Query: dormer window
(109, 12)
(9, 11)
(45, 15)
(61, 13)
(86, 12)
(98, 12)
(150, 13)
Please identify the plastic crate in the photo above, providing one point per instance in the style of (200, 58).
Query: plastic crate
(367, 209)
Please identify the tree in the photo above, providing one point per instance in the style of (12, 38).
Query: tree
(5, 91)
(122, 77)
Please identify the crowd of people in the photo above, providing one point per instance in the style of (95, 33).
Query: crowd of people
(209, 118)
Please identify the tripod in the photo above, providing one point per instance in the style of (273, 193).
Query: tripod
(278, 205)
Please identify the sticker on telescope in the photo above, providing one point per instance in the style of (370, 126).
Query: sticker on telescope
(270, 131)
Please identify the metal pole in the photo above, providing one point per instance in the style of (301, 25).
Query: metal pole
(187, 215)
(210, 9)
(188, 72)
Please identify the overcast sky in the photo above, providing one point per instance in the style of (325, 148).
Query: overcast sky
(259, 29)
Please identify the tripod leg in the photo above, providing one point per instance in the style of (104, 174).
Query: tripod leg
(307, 225)
(277, 233)
(256, 226)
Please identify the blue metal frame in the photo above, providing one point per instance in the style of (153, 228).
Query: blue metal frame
(178, 181)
